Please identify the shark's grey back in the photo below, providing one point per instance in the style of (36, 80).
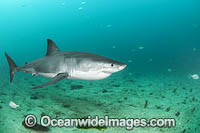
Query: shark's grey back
(82, 56)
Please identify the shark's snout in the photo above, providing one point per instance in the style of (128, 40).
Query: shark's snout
(121, 67)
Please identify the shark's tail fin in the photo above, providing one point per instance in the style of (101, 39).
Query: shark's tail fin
(13, 67)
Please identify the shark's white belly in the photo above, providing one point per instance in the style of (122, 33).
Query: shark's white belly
(89, 75)
(48, 75)
(80, 75)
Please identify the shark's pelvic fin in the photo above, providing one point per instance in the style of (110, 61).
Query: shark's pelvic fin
(57, 78)
(34, 74)
(51, 47)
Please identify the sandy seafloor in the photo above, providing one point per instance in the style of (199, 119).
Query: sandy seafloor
(121, 95)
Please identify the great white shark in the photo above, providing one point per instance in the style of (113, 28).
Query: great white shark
(59, 65)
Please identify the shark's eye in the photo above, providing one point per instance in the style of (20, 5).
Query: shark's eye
(112, 65)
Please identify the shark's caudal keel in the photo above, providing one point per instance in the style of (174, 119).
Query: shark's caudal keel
(59, 65)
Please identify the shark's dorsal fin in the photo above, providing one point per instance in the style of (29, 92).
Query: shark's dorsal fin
(51, 47)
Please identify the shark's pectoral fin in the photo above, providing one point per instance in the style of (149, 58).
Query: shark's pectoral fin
(57, 78)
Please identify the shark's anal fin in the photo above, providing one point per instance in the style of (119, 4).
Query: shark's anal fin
(57, 78)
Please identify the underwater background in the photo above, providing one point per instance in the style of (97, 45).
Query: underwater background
(159, 40)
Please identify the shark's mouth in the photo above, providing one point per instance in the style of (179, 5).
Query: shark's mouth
(107, 72)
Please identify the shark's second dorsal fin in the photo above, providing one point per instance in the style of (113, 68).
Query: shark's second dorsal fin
(51, 47)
